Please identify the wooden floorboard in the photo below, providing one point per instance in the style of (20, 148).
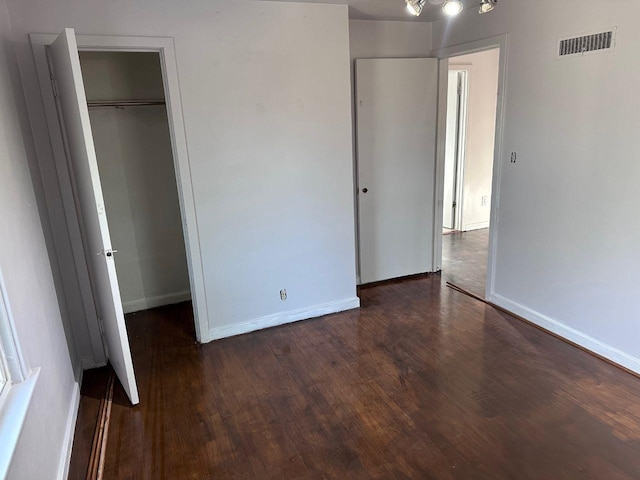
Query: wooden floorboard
(422, 382)
(464, 259)
(94, 389)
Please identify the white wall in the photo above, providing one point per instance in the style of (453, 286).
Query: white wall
(121, 75)
(567, 238)
(480, 137)
(133, 147)
(29, 282)
(382, 39)
(265, 96)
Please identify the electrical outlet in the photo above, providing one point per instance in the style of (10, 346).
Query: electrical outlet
(283, 294)
(485, 200)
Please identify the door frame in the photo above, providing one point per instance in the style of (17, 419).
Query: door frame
(461, 141)
(445, 55)
(164, 46)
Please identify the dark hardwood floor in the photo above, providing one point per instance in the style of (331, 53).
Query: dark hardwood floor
(93, 388)
(422, 382)
(464, 259)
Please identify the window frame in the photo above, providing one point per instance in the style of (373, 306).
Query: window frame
(5, 379)
(12, 358)
(17, 392)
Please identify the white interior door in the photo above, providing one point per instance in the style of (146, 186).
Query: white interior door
(396, 138)
(451, 151)
(72, 105)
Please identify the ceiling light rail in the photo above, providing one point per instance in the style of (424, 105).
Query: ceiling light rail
(487, 5)
(450, 8)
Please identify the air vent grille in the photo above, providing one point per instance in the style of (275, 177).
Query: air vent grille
(598, 42)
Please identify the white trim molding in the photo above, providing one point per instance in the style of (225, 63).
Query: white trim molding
(65, 458)
(152, 302)
(474, 226)
(568, 333)
(9, 346)
(283, 318)
(20, 383)
(88, 363)
(12, 417)
(441, 143)
(445, 54)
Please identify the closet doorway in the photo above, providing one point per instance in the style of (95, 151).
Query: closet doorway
(118, 143)
(125, 97)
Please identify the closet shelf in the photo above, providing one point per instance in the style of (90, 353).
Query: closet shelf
(124, 103)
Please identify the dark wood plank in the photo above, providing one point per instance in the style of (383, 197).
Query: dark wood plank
(94, 385)
(464, 259)
(421, 382)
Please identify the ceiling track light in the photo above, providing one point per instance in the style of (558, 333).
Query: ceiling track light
(449, 7)
(452, 7)
(487, 5)
(415, 6)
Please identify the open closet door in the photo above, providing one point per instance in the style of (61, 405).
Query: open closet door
(81, 155)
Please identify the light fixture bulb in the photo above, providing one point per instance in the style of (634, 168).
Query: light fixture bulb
(487, 5)
(415, 6)
(452, 7)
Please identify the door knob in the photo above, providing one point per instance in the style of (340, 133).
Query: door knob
(365, 190)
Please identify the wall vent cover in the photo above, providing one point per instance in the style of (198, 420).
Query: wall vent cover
(590, 43)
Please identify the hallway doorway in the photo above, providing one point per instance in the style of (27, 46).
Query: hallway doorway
(472, 99)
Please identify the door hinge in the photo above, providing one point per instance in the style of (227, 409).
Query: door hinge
(54, 86)
(455, 204)
(101, 326)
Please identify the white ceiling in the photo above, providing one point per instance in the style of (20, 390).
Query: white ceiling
(389, 9)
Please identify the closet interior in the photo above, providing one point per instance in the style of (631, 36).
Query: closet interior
(129, 121)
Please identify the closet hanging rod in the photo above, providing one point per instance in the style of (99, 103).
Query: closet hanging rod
(124, 103)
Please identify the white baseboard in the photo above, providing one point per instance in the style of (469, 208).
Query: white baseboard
(152, 302)
(475, 226)
(78, 371)
(575, 336)
(90, 362)
(67, 445)
(282, 318)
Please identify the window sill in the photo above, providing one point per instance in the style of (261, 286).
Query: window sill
(12, 416)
